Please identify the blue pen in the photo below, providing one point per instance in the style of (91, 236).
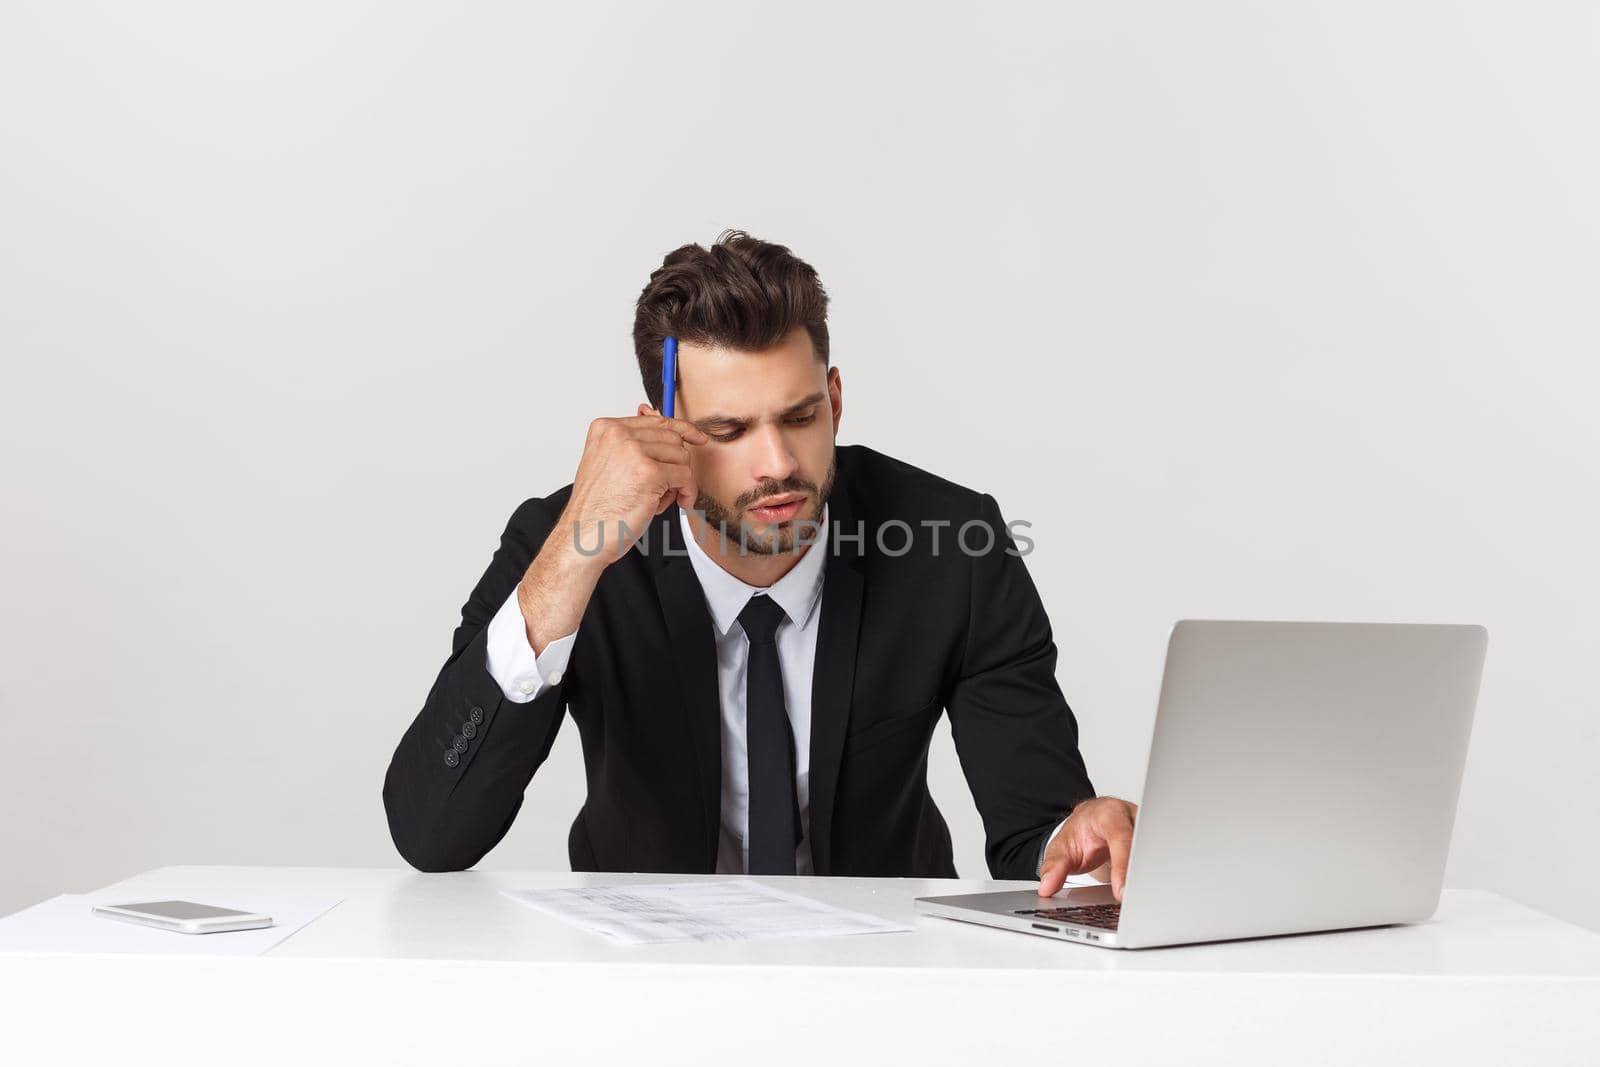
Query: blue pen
(669, 374)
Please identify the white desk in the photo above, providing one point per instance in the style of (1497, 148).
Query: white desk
(440, 968)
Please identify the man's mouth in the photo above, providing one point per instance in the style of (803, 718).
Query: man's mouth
(778, 508)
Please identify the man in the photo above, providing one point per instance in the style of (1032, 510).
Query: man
(755, 631)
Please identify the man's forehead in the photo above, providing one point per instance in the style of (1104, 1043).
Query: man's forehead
(717, 381)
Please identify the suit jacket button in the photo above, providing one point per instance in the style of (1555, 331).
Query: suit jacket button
(469, 730)
(458, 743)
(451, 757)
(476, 714)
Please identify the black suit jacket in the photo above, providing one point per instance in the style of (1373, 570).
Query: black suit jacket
(905, 635)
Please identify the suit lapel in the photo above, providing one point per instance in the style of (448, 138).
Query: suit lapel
(694, 661)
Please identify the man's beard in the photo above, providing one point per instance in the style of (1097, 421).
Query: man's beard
(779, 537)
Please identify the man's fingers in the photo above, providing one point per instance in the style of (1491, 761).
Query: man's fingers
(655, 434)
(687, 430)
(1061, 859)
(666, 452)
(1119, 839)
(652, 418)
(678, 476)
(1052, 876)
(660, 425)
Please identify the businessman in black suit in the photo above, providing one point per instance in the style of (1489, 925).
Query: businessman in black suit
(755, 631)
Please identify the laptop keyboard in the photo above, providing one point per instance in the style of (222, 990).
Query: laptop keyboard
(1103, 916)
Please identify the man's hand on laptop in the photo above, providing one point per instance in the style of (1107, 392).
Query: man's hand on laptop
(1095, 840)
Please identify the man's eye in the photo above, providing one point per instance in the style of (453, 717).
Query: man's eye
(793, 420)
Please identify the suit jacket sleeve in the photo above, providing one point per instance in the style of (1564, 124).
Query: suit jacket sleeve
(456, 779)
(1015, 736)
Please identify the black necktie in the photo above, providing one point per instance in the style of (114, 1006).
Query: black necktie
(774, 812)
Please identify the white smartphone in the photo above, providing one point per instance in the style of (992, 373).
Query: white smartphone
(184, 916)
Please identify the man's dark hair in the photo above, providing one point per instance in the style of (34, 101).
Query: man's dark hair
(741, 293)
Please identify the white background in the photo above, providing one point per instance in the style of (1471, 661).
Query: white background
(1253, 310)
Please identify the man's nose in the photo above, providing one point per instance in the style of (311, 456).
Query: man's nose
(775, 461)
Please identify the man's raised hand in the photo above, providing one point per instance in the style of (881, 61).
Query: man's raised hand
(631, 469)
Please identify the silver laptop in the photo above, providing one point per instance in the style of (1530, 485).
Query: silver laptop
(1303, 776)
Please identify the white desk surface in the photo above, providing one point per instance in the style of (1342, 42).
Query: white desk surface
(421, 967)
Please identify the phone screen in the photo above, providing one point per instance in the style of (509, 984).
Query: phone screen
(181, 909)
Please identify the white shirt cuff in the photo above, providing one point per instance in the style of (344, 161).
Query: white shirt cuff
(521, 675)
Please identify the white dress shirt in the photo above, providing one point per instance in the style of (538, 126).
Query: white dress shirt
(521, 677)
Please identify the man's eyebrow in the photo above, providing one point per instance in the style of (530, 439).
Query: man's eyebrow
(730, 420)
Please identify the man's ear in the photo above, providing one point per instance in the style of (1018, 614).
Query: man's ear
(835, 397)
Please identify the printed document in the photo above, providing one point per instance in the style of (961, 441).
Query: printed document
(731, 910)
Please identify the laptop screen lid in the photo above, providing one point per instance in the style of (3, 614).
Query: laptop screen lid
(1302, 776)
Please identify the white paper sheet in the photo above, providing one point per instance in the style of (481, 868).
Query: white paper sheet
(722, 910)
(65, 924)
